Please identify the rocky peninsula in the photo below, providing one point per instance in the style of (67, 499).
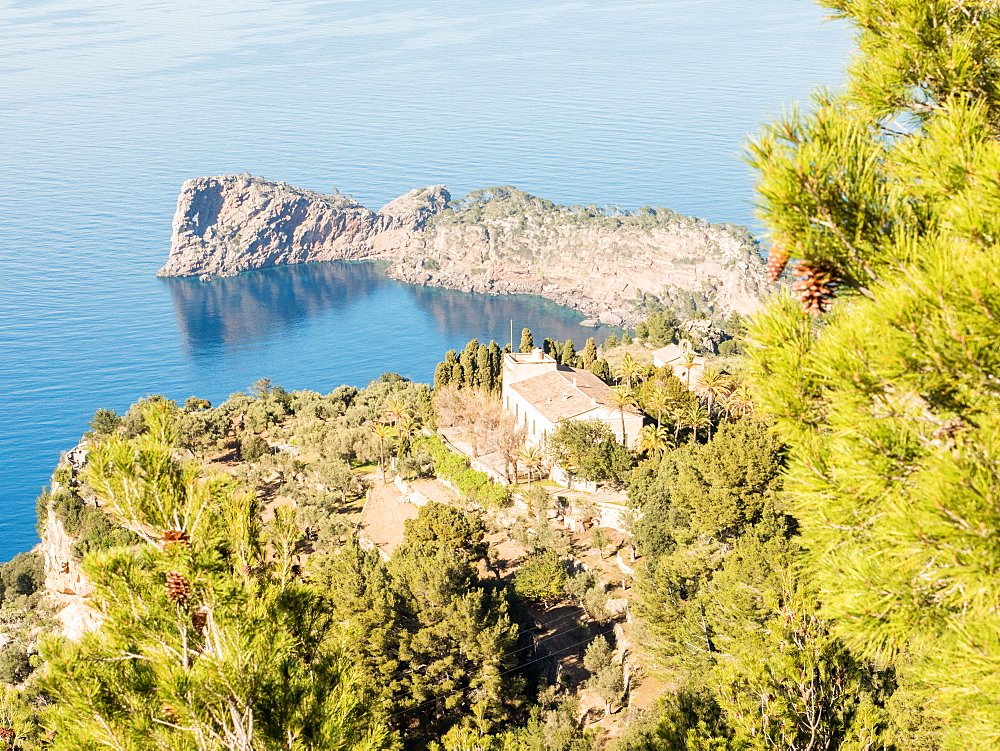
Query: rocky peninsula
(607, 263)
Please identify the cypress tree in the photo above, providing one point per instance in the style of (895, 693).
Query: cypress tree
(496, 365)
(442, 375)
(568, 353)
(589, 354)
(467, 362)
(527, 341)
(553, 349)
(601, 369)
(484, 370)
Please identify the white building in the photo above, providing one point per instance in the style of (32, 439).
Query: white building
(540, 394)
(681, 359)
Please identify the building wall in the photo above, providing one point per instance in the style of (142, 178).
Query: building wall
(537, 425)
(518, 366)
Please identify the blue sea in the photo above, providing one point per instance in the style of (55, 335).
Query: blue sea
(107, 107)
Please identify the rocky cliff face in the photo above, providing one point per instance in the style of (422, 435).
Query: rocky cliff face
(67, 589)
(233, 223)
(498, 241)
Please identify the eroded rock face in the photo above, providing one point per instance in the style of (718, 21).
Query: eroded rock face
(498, 241)
(67, 589)
(233, 223)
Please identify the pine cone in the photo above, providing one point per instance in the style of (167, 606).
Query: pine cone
(817, 285)
(7, 734)
(199, 619)
(178, 588)
(168, 713)
(246, 569)
(175, 537)
(777, 258)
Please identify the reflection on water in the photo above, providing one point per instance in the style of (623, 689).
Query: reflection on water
(270, 304)
(260, 305)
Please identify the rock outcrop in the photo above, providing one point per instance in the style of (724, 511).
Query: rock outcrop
(233, 223)
(497, 241)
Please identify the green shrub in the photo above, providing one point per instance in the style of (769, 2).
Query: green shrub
(542, 577)
(15, 665)
(22, 575)
(252, 448)
(732, 347)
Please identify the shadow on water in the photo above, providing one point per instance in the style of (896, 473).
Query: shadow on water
(263, 305)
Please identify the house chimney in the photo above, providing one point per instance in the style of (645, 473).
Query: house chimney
(574, 381)
(538, 354)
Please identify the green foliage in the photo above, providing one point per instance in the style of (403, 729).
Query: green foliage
(475, 485)
(601, 369)
(203, 642)
(15, 665)
(21, 576)
(105, 422)
(19, 713)
(432, 639)
(590, 448)
(687, 719)
(659, 329)
(716, 489)
(252, 447)
(732, 347)
(542, 577)
(889, 402)
(605, 676)
(477, 366)
(527, 341)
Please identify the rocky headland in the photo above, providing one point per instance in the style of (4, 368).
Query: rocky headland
(607, 263)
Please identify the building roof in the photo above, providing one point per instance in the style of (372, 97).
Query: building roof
(673, 354)
(566, 392)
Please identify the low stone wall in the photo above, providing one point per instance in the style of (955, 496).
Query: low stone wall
(409, 494)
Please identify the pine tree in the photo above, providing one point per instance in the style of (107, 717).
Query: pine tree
(194, 652)
(527, 341)
(887, 196)
(430, 637)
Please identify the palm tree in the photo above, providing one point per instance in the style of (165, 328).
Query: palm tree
(677, 417)
(715, 385)
(653, 440)
(396, 408)
(383, 432)
(687, 361)
(658, 401)
(531, 458)
(406, 427)
(739, 403)
(628, 369)
(696, 417)
(622, 398)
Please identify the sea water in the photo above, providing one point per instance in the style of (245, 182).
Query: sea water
(108, 107)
